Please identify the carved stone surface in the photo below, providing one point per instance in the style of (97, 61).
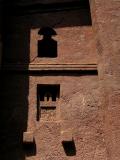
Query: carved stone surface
(106, 22)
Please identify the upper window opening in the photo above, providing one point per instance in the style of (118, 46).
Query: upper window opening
(47, 47)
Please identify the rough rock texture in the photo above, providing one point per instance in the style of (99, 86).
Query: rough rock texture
(106, 18)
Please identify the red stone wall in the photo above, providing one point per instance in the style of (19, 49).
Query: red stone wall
(106, 26)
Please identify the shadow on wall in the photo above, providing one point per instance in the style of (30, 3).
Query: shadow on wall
(30, 149)
(13, 115)
(14, 89)
(69, 148)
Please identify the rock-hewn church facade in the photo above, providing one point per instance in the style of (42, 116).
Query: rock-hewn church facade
(60, 80)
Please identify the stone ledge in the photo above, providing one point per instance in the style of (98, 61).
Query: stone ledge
(52, 67)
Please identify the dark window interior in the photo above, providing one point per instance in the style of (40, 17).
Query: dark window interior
(48, 90)
(47, 47)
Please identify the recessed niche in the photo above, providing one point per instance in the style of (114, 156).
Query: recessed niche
(47, 98)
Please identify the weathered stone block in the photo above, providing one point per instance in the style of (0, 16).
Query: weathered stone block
(28, 137)
(66, 136)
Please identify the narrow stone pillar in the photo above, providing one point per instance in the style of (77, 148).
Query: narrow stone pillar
(0, 50)
(106, 25)
(0, 36)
